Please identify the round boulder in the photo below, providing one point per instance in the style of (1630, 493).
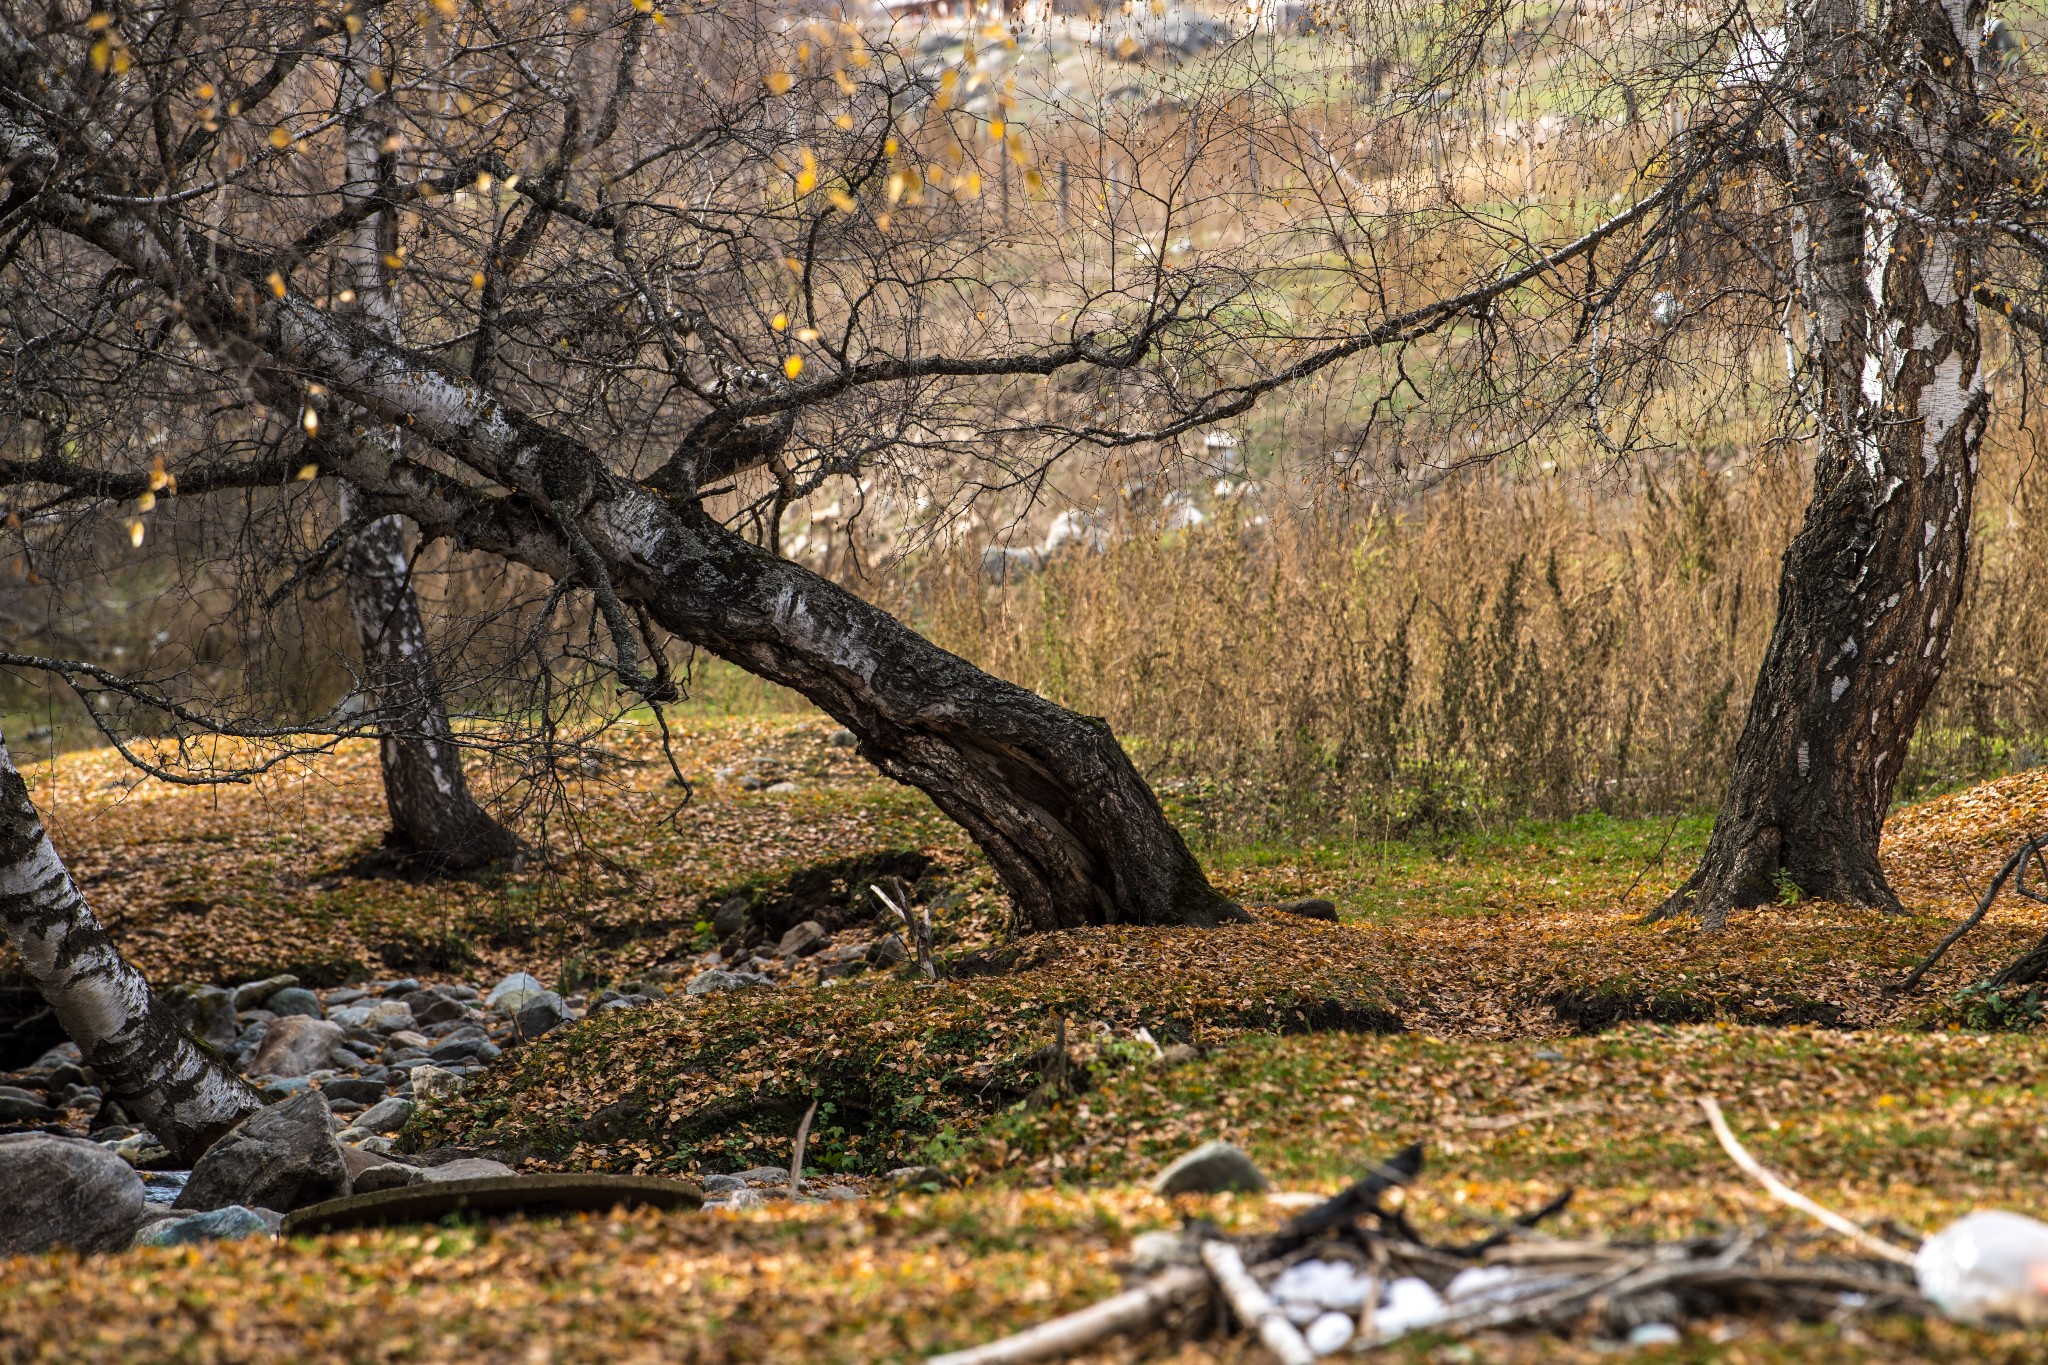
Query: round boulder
(60, 1191)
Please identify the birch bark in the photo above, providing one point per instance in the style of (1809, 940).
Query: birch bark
(184, 1093)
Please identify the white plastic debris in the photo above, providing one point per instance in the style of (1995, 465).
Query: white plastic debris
(1500, 1284)
(1654, 1334)
(1410, 1306)
(1985, 1265)
(1329, 1333)
(1322, 1284)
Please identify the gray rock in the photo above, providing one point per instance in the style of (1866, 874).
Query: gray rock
(463, 1047)
(27, 1111)
(215, 1225)
(393, 990)
(392, 1175)
(355, 1089)
(888, 950)
(349, 1016)
(730, 919)
(539, 1016)
(346, 996)
(513, 994)
(431, 1007)
(277, 1158)
(296, 1045)
(782, 788)
(1211, 1167)
(913, 1177)
(465, 1168)
(721, 1184)
(431, 1082)
(389, 1016)
(718, 979)
(207, 1012)
(294, 1000)
(253, 993)
(160, 1188)
(803, 938)
(60, 1191)
(1313, 907)
(385, 1116)
(841, 739)
(765, 1175)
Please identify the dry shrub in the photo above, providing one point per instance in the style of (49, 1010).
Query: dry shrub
(1507, 645)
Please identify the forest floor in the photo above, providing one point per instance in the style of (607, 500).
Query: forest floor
(1496, 997)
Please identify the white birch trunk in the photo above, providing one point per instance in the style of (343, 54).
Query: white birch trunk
(182, 1092)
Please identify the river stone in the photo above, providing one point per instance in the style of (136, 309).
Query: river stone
(538, 1016)
(253, 993)
(431, 1007)
(1211, 1167)
(13, 1110)
(389, 1016)
(207, 1012)
(801, 939)
(718, 979)
(296, 1045)
(731, 919)
(514, 993)
(356, 1089)
(215, 1225)
(62, 1191)
(432, 1082)
(385, 1116)
(429, 1202)
(466, 1168)
(294, 1000)
(277, 1158)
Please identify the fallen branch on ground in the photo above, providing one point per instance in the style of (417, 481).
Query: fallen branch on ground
(1792, 1198)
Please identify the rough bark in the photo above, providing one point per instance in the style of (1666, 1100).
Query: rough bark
(184, 1093)
(1870, 585)
(436, 824)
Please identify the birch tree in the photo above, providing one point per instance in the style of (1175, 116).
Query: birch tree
(185, 1094)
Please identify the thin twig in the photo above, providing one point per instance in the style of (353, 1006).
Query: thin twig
(1127, 1312)
(1792, 1198)
(2016, 863)
(796, 1158)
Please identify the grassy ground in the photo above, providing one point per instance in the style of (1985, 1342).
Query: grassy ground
(1550, 1039)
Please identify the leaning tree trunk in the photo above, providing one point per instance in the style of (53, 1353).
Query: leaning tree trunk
(1870, 586)
(436, 824)
(183, 1092)
(1074, 832)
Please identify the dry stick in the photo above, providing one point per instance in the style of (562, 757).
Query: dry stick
(2017, 861)
(1252, 1305)
(1786, 1195)
(1127, 1312)
(796, 1158)
(920, 937)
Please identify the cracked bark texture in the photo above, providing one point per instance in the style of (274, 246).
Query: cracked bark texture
(179, 1089)
(436, 823)
(1871, 584)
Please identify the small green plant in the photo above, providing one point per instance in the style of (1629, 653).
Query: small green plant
(1788, 890)
(1999, 1009)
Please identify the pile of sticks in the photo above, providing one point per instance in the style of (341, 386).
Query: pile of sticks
(1532, 1281)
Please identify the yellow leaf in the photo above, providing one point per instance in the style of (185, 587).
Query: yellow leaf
(394, 260)
(146, 502)
(796, 267)
(310, 420)
(778, 82)
(793, 366)
(844, 121)
(477, 280)
(98, 54)
(807, 175)
(995, 130)
(889, 147)
(135, 533)
(122, 61)
(643, 6)
(157, 477)
(353, 22)
(280, 139)
(844, 81)
(843, 201)
(806, 334)
(206, 92)
(969, 184)
(95, 22)
(276, 282)
(577, 14)
(779, 321)
(308, 472)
